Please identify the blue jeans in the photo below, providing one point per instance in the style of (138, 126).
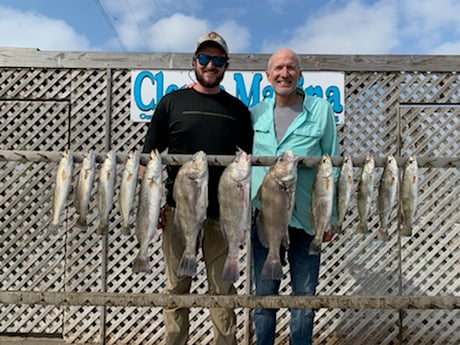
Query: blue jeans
(304, 271)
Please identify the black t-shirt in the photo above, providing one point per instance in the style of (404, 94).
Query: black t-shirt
(186, 121)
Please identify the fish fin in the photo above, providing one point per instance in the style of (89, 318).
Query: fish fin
(260, 233)
(178, 228)
(231, 270)
(272, 269)
(315, 247)
(102, 228)
(187, 265)
(141, 264)
(285, 241)
(222, 231)
(336, 228)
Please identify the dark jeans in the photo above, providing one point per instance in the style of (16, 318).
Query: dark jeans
(304, 271)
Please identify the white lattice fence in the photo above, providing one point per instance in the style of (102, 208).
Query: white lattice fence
(399, 113)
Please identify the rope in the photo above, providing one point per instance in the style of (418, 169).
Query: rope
(227, 301)
(215, 160)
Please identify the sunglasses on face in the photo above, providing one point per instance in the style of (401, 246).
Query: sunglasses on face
(217, 61)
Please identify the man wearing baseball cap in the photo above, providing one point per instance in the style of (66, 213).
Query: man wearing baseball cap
(202, 117)
(212, 38)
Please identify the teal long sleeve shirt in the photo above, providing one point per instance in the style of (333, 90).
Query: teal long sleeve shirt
(312, 133)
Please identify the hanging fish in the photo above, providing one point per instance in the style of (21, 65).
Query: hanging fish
(387, 195)
(61, 189)
(190, 192)
(235, 210)
(151, 198)
(409, 196)
(84, 187)
(127, 193)
(105, 192)
(321, 202)
(276, 195)
(344, 190)
(365, 193)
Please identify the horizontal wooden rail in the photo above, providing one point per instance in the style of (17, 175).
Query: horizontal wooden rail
(54, 156)
(227, 301)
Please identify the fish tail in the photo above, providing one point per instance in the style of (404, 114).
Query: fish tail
(272, 269)
(231, 270)
(141, 264)
(382, 234)
(102, 228)
(362, 227)
(315, 247)
(125, 230)
(336, 228)
(406, 230)
(187, 265)
(53, 228)
(82, 222)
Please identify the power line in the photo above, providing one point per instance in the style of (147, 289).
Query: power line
(112, 28)
(155, 12)
(141, 35)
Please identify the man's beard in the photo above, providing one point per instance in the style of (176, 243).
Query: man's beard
(207, 84)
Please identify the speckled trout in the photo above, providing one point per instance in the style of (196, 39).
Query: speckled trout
(105, 191)
(84, 186)
(127, 193)
(344, 190)
(365, 193)
(321, 202)
(388, 188)
(409, 196)
(151, 199)
(61, 189)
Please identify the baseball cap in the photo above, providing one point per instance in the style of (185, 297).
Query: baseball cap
(214, 38)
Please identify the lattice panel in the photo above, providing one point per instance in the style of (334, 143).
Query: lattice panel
(34, 83)
(429, 88)
(360, 264)
(85, 250)
(127, 136)
(380, 118)
(31, 260)
(429, 262)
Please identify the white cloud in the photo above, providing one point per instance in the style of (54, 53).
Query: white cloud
(177, 33)
(447, 48)
(431, 27)
(33, 30)
(429, 15)
(163, 25)
(236, 36)
(356, 28)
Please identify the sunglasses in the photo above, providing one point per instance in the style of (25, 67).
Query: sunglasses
(217, 61)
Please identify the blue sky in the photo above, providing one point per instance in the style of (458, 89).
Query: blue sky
(249, 26)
